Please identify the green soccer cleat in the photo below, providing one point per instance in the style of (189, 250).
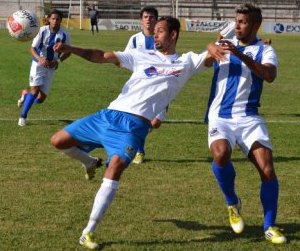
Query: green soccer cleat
(87, 240)
(139, 158)
(274, 235)
(235, 218)
(91, 170)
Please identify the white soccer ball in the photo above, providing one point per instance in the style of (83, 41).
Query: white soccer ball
(23, 25)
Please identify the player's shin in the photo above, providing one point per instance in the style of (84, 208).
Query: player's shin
(269, 199)
(103, 199)
(29, 100)
(225, 177)
(82, 156)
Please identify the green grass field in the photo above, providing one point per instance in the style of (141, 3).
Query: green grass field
(172, 201)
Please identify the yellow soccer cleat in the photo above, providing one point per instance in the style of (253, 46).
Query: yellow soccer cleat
(87, 240)
(139, 158)
(274, 235)
(235, 218)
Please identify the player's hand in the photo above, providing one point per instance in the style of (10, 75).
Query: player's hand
(53, 64)
(217, 52)
(44, 62)
(60, 47)
(228, 46)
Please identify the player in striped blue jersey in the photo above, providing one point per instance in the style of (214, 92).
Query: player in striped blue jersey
(44, 63)
(144, 40)
(241, 66)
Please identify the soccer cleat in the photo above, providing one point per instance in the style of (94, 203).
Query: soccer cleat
(274, 235)
(22, 122)
(235, 218)
(91, 170)
(87, 240)
(139, 158)
(22, 98)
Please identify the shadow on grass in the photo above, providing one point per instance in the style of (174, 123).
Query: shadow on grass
(283, 114)
(277, 159)
(223, 234)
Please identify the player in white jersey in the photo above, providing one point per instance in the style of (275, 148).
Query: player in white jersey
(241, 67)
(144, 40)
(157, 76)
(44, 63)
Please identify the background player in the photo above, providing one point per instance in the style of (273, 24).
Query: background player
(94, 15)
(156, 79)
(44, 63)
(233, 116)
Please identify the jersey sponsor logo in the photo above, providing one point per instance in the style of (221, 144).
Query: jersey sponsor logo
(250, 55)
(213, 132)
(130, 151)
(153, 72)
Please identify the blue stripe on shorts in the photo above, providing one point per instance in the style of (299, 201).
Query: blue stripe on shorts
(120, 133)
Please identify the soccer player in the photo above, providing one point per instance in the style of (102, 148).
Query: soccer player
(93, 13)
(144, 40)
(241, 66)
(158, 75)
(44, 63)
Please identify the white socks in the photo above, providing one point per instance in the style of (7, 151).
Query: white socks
(83, 157)
(103, 199)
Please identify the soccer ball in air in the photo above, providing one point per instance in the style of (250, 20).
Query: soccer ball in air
(23, 25)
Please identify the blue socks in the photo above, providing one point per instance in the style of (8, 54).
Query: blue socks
(268, 193)
(225, 177)
(29, 100)
(269, 197)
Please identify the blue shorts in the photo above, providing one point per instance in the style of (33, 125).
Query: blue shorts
(120, 133)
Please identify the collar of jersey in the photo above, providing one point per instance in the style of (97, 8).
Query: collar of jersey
(244, 45)
(169, 58)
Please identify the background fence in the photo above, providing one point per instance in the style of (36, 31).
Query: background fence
(273, 10)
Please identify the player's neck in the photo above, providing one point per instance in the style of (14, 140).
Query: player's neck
(168, 51)
(148, 32)
(246, 42)
(54, 29)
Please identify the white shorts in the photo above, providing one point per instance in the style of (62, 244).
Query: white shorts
(41, 76)
(243, 131)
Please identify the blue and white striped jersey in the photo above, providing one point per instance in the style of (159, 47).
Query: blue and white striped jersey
(141, 41)
(45, 40)
(235, 89)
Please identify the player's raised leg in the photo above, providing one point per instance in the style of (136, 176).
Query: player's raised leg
(63, 141)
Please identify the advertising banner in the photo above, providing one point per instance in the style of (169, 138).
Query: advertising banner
(281, 27)
(205, 25)
(119, 24)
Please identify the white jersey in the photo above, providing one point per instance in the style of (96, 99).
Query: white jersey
(235, 89)
(155, 81)
(141, 41)
(45, 40)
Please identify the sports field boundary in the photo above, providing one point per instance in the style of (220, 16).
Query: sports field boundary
(169, 121)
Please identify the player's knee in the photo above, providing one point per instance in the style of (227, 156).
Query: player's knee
(268, 174)
(221, 155)
(56, 141)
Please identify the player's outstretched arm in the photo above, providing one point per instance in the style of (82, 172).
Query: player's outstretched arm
(92, 55)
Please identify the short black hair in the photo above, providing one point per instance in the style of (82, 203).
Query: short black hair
(173, 24)
(149, 9)
(57, 12)
(253, 11)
